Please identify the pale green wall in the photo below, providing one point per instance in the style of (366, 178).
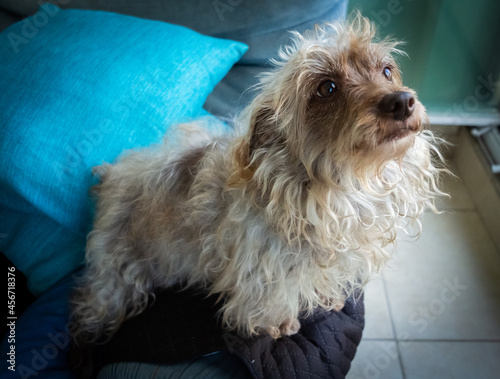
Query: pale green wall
(454, 49)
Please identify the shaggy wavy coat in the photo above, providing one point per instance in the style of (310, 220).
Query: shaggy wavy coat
(290, 213)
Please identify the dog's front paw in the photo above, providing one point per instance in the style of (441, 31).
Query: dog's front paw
(290, 327)
(339, 307)
(331, 303)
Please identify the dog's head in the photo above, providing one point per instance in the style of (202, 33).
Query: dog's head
(335, 98)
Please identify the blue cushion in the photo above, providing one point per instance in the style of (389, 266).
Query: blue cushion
(41, 248)
(262, 24)
(78, 88)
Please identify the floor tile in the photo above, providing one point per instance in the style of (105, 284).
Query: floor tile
(377, 318)
(451, 360)
(446, 285)
(376, 359)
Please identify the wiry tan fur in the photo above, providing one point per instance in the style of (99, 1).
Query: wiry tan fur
(292, 212)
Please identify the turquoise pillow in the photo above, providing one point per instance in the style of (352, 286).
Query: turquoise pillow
(77, 88)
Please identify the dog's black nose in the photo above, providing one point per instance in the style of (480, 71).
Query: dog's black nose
(399, 105)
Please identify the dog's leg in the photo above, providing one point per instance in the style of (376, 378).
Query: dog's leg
(119, 278)
(108, 296)
(290, 327)
(252, 308)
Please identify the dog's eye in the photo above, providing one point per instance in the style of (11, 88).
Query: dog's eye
(326, 89)
(387, 73)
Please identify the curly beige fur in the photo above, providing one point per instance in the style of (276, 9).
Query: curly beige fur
(292, 211)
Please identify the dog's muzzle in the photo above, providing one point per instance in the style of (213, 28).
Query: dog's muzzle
(398, 105)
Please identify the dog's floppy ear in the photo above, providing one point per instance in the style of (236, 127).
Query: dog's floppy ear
(263, 131)
(261, 136)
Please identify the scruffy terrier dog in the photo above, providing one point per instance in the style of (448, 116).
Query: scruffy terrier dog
(291, 213)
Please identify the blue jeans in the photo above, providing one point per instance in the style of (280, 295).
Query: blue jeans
(220, 365)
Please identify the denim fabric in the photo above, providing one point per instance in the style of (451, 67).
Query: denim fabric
(221, 365)
(43, 335)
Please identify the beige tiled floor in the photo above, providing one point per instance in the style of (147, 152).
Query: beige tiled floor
(435, 312)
